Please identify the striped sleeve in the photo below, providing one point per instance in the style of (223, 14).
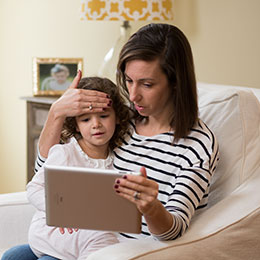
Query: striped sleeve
(39, 161)
(172, 233)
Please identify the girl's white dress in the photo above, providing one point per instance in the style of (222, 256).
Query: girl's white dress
(46, 240)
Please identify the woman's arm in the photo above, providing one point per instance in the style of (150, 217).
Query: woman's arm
(50, 134)
(73, 102)
(158, 219)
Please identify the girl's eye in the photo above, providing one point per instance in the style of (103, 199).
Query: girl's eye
(85, 120)
(104, 116)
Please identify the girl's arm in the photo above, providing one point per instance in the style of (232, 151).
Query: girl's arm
(72, 103)
(35, 188)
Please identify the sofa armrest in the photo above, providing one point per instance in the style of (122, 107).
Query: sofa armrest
(16, 214)
(221, 219)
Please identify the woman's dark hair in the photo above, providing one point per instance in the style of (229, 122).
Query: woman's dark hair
(118, 103)
(168, 44)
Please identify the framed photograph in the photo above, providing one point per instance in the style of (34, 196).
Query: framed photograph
(52, 76)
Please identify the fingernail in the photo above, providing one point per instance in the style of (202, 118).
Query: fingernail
(125, 177)
(117, 181)
(116, 186)
(117, 191)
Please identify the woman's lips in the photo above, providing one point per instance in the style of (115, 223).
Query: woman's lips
(138, 108)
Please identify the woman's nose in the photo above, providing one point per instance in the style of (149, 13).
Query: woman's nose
(134, 95)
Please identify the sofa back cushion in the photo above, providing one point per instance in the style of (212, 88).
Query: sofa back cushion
(234, 116)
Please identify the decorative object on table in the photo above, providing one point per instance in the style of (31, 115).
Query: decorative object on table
(52, 76)
(123, 10)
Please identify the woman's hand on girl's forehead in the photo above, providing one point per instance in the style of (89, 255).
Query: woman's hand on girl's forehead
(76, 101)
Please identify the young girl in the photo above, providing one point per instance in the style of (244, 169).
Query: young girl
(89, 140)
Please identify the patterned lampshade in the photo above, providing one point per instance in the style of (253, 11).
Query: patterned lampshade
(126, 10)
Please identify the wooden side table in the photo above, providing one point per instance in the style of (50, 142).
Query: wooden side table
(37, 111)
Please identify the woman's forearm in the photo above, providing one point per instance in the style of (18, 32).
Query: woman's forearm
(158, 219)
(51, 132)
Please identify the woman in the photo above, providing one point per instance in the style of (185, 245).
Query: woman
(175, 151)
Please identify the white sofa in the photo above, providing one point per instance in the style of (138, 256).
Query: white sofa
(229, 228)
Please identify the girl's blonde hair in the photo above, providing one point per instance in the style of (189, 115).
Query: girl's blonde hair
(118, 103)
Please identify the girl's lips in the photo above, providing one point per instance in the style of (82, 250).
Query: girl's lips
(98, 134)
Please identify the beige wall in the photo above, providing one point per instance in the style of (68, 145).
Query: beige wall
(225, 38)
(224, 35)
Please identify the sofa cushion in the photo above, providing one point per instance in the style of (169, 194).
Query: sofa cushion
(234, 116)
(16, 214)
(225, 244)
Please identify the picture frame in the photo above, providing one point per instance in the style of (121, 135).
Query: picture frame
(52, 76)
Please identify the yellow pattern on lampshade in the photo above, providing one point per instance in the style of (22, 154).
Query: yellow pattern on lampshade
(126, 10)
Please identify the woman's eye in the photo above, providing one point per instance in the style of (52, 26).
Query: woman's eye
(85, 120)
(104, 116)
(128, 81)
(148, 85)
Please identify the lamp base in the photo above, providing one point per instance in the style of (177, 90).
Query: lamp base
(109, 64)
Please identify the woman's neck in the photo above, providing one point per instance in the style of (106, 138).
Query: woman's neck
(151, 126)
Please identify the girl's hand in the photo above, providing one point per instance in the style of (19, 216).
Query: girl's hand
(75, 101)
(139, 190)
(70, 230)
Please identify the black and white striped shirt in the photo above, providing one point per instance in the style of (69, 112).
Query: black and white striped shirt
(183, 171)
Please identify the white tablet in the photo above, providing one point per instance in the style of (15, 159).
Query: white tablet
(84, 198)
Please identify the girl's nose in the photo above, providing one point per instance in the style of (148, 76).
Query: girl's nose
(96, 123)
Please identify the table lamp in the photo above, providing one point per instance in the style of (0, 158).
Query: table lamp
(123, 10)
